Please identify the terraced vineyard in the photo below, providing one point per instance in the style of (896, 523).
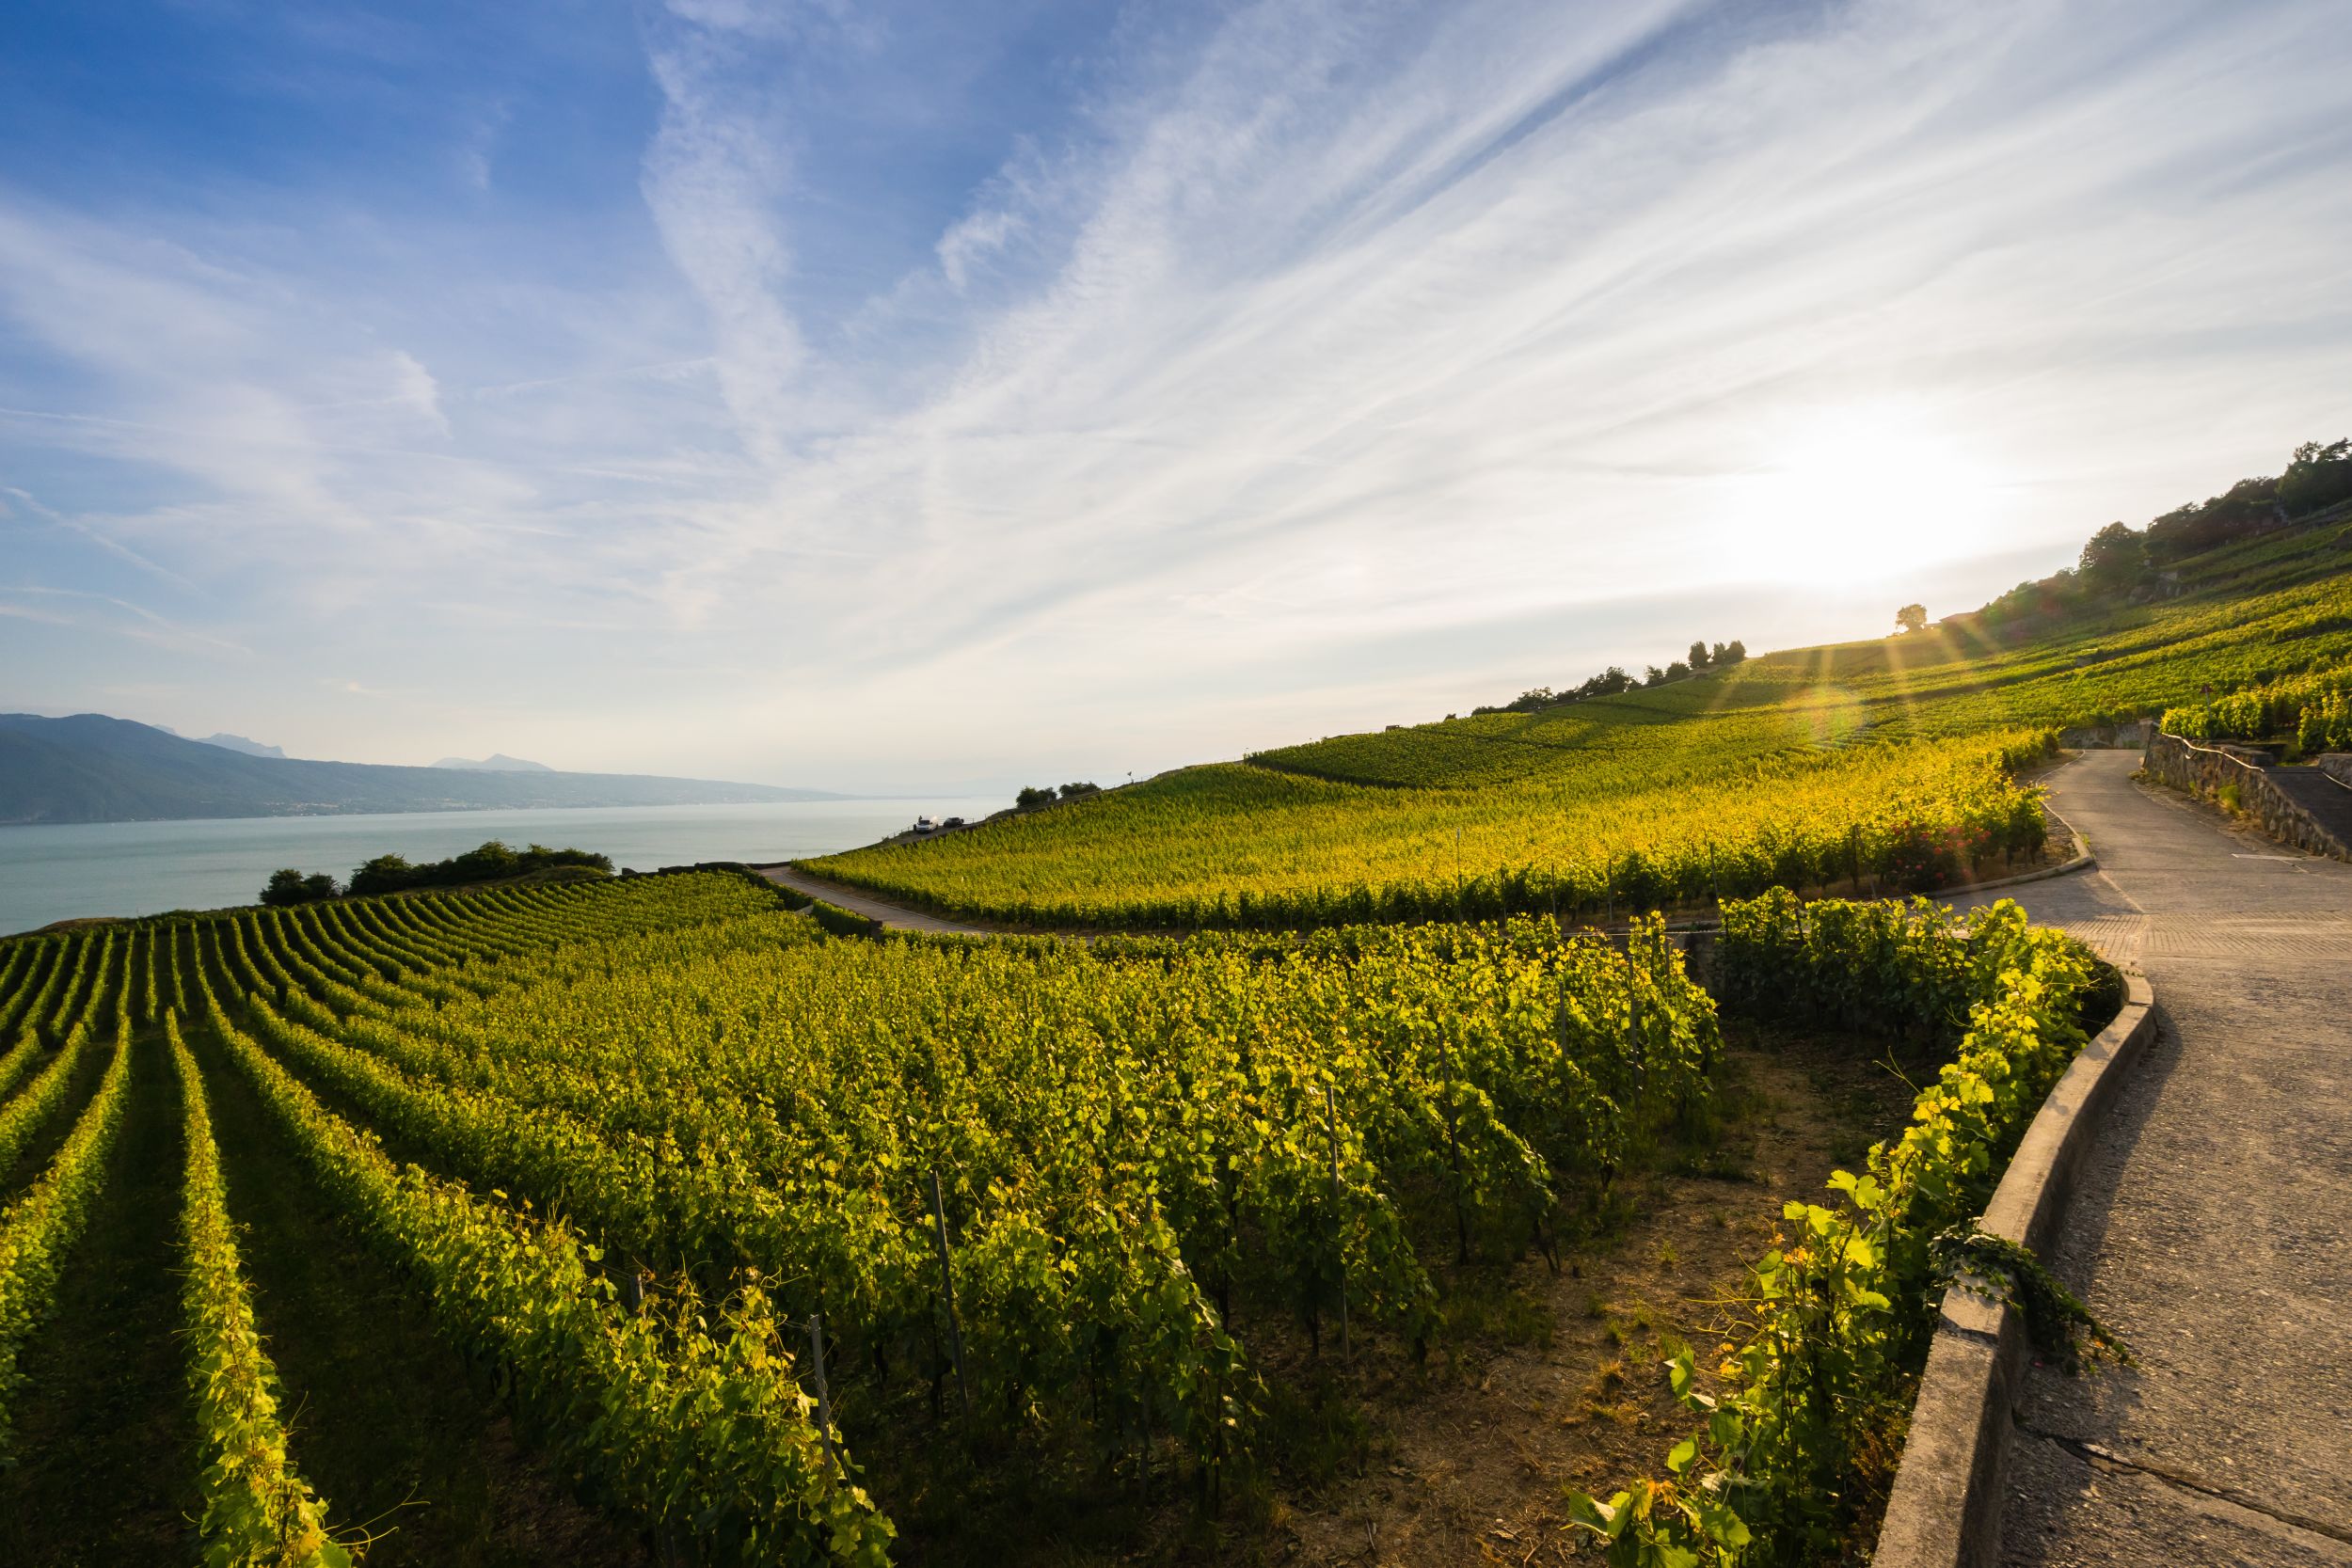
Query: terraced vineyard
(1888, 762)
(742, 1227)
(649, 1148)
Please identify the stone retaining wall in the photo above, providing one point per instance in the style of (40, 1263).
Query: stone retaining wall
(2205, 769)
(2338, 765)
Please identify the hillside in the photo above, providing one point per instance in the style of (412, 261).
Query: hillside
(1889, 762)
(93, 768)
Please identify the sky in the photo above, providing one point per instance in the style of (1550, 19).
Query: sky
(953, 396)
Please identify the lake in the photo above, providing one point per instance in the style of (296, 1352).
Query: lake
(61, 871)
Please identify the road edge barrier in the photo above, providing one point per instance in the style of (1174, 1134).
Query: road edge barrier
(1944, 1510)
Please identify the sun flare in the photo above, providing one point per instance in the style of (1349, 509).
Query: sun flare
(1862, 493)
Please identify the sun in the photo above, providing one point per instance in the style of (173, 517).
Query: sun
(1860, 494)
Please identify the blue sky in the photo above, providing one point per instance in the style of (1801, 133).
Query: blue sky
(944, 396)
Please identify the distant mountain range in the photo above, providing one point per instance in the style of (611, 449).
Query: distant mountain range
(497, 762)
(93, 768)
(227, 742)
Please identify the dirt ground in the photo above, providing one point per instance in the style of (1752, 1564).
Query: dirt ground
(1563, 1385)
(1539, 1382)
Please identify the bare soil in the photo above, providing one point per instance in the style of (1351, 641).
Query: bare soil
(1565, 1387)
(1540, 1380)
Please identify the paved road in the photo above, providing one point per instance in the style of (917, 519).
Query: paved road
(2213, 1223)
(896, 915)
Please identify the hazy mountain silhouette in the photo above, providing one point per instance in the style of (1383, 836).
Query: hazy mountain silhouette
(93, 768)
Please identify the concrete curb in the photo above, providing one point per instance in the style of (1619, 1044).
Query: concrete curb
(2083, 862)
(1944, 1511)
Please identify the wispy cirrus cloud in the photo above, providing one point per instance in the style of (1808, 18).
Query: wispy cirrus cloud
(952, 394)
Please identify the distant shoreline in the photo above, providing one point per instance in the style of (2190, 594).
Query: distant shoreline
(51, 871)
(812, 797)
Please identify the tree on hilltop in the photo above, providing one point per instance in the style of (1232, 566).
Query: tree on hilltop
(2319, 476)
(2116, 558)
(1912, 617)
(1698, 655)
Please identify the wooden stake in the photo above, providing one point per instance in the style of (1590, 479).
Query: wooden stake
(948, 1284)
(1331, 1124)
(824, 1395)
(1454, 1153)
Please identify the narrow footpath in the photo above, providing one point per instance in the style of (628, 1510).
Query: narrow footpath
(896, 916)
(2212, 1225)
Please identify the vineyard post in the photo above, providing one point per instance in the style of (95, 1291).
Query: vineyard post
(1457, 875)
(948, 1283)
(1452, 1152)
(1331, 1125)
(824, 1396)
(1633, 988)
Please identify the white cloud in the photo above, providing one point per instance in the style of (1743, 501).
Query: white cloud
(972, 240)
(716, 178)
(1341, 330)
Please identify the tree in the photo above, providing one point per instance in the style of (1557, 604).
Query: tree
(384, 874)
(287, 886)
(1698, 655)
(1677, 670)
(1030, 799)
(489, 863)
(1912, 617)
(1733, 652)
(1653, 675)
(1071, 791)
(2245, 509)
(1607, 684)
(2116, 558)
(2318, 477)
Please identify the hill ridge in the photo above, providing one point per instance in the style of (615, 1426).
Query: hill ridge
(93, 767)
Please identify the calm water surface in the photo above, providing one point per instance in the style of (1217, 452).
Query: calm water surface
(67, 870)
